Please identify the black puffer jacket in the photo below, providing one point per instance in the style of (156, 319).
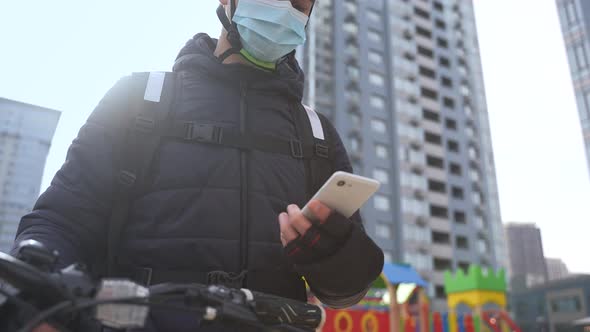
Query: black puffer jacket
(193, 216)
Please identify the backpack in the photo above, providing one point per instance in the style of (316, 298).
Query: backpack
(151, 100)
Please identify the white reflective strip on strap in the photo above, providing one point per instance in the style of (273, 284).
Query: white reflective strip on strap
(316, 123)
(155, 84)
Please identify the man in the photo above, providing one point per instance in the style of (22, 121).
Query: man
(208, 213)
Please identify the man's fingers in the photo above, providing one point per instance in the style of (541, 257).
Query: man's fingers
(319, 210)
(297, 220)
(288, 233)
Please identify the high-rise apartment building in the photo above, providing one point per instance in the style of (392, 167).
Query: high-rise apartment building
(25, 137)
(525, 249)
(556, 269)
(575, 24)
(402, 82)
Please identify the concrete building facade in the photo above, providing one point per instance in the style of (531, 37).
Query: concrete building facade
(402, 82)
(574, 16)
(525, 250)
(26, 132)
(556, 269)
(552, 307)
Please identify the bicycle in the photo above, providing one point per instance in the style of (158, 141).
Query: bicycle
(34, 294)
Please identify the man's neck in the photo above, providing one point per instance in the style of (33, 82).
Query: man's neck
(224, 45)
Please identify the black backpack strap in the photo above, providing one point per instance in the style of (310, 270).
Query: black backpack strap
(323, 166)
(310, 129)
(206, 133)
(150, 102)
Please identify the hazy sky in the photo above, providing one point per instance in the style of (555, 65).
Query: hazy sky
(65, 54)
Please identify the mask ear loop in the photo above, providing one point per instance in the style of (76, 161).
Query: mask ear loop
(233, 36)
(310, 12)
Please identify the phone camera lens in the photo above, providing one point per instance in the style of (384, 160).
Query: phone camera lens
(341, 183)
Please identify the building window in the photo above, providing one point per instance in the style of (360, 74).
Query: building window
(381, 175)
(387, 257)
(571, 12)
(427, 72)
(432, 138)
(374, 16)
(451, 124)
(378, 126)
(453, 146)
(414, 206)
(439, 292)
(449, 102)
(375, 36)
(455, 169)
(463, 266)
(442, 264)
(430, 115)
(381, 151)
(442, 42)
(413, 180)
(457, 193)
(428, 93)
(440, 237)
(425, 52)
(443, 61)
(377, 102)
(459, 217)
(355, 120)
(584, 111)
(437, 186)
(447, 81)
(353, 72)
(419, 261)
(355, 144)
(383, 231)
(375, 57)
(381, 203)
(482, 246)
(376, 79)
(462, 242)
(566, 304)
(438, 6)
(581, 59)
(476, 198)
(434, 162)
(439, 211)
(479, 222)
(474, 175)
(351, 27)
(422, 13)
(423, 32)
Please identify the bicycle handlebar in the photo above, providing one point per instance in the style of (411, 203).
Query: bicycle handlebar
(57, 296)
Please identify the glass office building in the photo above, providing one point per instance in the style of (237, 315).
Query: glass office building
(574, 16)
(25, 137)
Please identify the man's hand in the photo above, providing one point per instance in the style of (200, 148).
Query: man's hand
(307, 242)
(294, 224)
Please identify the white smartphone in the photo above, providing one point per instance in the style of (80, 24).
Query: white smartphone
(345, 193)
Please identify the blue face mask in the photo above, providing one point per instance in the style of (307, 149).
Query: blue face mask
(269, 29)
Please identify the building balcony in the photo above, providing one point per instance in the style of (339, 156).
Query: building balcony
(442, 250)
(436, 174)
(434, 150)
(440, 224)
(438, 198)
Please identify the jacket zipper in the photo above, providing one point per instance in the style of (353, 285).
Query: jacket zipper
(244, 208)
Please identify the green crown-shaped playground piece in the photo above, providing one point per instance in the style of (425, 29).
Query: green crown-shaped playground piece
(475, 279)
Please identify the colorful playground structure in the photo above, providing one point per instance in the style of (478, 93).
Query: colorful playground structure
(397, 302)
